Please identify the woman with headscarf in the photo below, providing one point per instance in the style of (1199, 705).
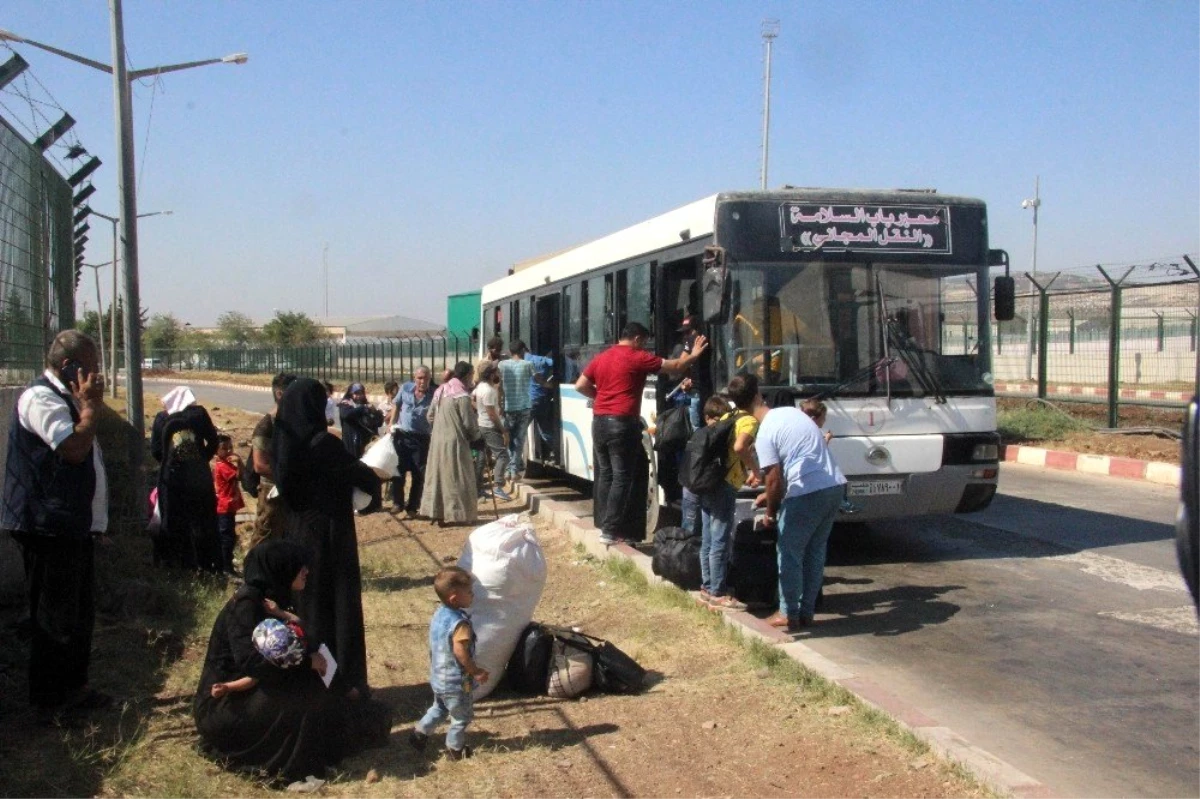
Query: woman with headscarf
(284, 723)
(316, 477)
(360, 419)
(184, 440)
(450, 494)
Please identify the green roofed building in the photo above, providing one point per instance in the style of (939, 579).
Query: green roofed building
(463, 314)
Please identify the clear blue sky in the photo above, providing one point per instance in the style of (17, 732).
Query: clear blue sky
(431, 145)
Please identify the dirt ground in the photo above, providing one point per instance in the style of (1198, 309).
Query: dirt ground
(716, 720)
(1141, 446)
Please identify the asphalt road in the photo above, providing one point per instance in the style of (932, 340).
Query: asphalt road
(1052, 629)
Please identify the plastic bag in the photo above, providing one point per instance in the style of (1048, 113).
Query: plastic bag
(154, 517)
(509, 571)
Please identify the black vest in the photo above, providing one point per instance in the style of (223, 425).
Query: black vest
(43, 493)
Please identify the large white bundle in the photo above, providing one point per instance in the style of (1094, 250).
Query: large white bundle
(509, 568)
(380, 456)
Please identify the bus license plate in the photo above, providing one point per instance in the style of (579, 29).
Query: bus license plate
(876, 488)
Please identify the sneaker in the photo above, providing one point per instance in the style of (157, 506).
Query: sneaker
(726, 603)
(418, 739)
(499, 493)
(607, 539)
(459, 754)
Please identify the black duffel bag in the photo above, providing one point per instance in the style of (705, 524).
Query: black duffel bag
(530, 661)
(753, 575)
(677, 557)
(614, 671)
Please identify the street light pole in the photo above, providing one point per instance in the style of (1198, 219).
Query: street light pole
(1035, 204)
(112, 314)
(100, 314)
(127, 190)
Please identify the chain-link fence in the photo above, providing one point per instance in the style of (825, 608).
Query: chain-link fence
(365, 360)
(1111, 335)
(37, 272)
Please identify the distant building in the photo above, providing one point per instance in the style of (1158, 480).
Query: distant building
(463, 314)
(342, 328)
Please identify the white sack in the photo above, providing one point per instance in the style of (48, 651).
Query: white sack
(380, 456)
(509, 571)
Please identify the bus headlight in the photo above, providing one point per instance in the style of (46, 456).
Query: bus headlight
(985, 452)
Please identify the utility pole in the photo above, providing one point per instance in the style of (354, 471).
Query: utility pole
(770, 29)
(325, 261)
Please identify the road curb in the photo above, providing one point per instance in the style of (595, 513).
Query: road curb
(986, 767)
(1026, 389)
(1110, 465)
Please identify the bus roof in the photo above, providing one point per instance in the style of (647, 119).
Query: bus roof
(697, 219)
(645, 237)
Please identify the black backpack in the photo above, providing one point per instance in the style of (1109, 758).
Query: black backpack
(677, 557)
(706, 457)
(530, 662)
(753, 575)
(672, 429)
(247, 476)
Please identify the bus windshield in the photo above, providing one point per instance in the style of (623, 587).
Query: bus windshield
(856, 329)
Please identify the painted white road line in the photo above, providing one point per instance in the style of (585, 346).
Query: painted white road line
(1176, 620)
(1132, 575)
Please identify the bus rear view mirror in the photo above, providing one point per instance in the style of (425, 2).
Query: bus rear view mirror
(712, 284)
(1004, 291)
(1004, 296)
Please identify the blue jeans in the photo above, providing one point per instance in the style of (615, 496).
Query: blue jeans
(517, 423)
(805, 523)
(716, 537)
(690, 506)
(460, 707)
(694, 410)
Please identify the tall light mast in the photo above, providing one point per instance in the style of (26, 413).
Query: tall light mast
(770, 29)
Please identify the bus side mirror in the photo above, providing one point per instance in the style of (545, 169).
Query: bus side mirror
(1004, 297)
(1004, 290)
(712, 284)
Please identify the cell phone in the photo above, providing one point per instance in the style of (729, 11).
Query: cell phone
(73, 372)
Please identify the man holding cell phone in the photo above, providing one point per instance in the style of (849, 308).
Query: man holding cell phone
(55, 505)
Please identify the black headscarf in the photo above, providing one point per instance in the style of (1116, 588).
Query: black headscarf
(272, 566)
(299, 422)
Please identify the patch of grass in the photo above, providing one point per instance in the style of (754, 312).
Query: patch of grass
(1037, 422)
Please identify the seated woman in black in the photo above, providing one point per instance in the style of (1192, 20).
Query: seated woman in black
(281, 722)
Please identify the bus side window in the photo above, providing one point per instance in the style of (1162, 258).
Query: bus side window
(572, 314)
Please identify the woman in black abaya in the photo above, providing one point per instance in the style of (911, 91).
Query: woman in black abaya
(284, 725)
(316, 477)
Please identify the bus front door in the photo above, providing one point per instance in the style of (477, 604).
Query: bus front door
(547, 342)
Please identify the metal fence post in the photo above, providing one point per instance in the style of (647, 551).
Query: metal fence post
(1161, 332)
(1114, 347)
(1071, 331)
(1043, 331)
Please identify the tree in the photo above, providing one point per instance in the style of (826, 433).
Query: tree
(291, 328)
(164, 333)
(236, 329)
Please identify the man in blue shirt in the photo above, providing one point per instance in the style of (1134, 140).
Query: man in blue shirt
(410, 437)
(804, 490)
(517, 377)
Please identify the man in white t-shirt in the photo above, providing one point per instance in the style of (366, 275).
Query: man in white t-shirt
(491, 428)
(804, 491)
(55, 506)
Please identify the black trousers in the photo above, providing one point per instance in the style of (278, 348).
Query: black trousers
(61, 571)
(413, 451)
(621, 473)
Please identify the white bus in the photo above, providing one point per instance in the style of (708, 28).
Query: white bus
(846, 295)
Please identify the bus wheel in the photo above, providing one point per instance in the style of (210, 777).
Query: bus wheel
(651, 487)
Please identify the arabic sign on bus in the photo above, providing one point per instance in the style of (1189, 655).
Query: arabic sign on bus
(855, 228)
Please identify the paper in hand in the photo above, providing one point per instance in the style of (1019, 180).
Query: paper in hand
(330, 664)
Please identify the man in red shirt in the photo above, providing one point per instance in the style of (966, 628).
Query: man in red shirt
(614, 380)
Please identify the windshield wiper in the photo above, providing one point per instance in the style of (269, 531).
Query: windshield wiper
(913, 357)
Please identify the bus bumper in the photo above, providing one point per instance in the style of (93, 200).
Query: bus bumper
(953, 489)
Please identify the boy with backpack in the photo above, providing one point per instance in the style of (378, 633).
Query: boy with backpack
(719, 460)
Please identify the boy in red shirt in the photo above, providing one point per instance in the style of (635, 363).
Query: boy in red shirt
(226, 469)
